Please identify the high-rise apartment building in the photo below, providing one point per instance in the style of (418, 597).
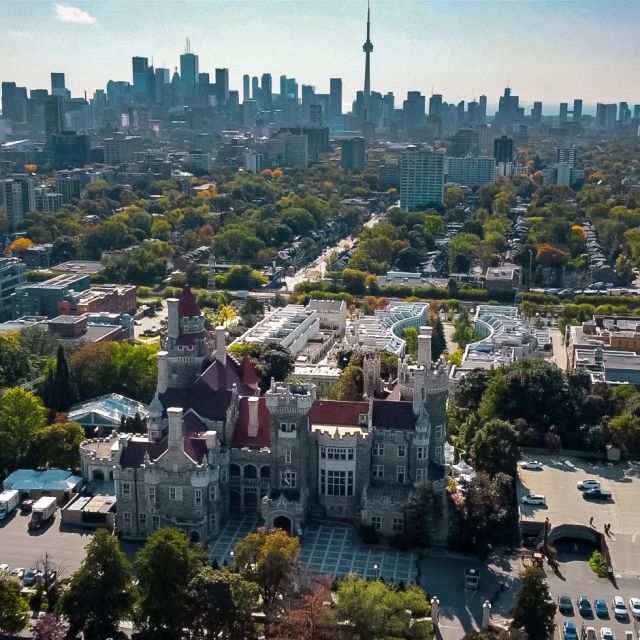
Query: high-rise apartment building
(70, 149)
(471, 172)
(266, 91)
(12, 275)
(503, 149)
(536, 112)
(335, 97)
(246, 87)
(222, 87)
(18, 197)
(577, 110)
(462, 143)
(564, 112)
(421, 177)
(53, 117)
(606, 116)
(353, 158)
(435, 104)
(414, 109)
(14, 102)
(567, 155)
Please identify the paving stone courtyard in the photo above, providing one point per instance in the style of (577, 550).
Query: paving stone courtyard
(328, 549)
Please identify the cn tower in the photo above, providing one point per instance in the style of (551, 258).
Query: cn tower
(367, 47)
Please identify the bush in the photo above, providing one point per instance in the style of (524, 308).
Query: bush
(598, 564)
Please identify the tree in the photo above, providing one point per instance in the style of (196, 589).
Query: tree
(410, 337)
(465, 332)
(14, 609)
(354, 281)
(165, 566)
(494, 448)
(350, 384)
(438, 340)
(268, 558)
(57, 393)
(269, 359)
(367, 610)
(49, 628)
(100, 594)
(220, 605)
(15, 359)
(423, 509)
(22, 417)
(534, 609)
(58, 445)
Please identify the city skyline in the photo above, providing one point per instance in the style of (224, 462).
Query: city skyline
(464, 58)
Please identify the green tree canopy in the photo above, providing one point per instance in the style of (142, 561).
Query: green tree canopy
(58, 445)
(14, 609)
(494, 448)
(534, 610)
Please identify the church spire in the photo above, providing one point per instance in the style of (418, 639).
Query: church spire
(367, 47)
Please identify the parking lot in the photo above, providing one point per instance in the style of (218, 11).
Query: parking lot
(19, 548)
(565, 504)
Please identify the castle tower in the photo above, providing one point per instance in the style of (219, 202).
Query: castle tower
(371, 375)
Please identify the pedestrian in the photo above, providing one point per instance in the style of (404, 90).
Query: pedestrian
(591, 521)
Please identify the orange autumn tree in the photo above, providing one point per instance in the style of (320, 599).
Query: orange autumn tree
(18, 246)
(548, 255)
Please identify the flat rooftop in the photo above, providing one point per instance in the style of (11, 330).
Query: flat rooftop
(81, 267)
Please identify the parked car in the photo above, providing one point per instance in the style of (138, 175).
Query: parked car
(532, 465)
(619, 609)
(606, 634)
(18, 572)
(31, 578)
(569, 630)
(26, 505)
(597, 494)
(534, 499)
(585, 485)
(600, 606)
(591, 633)
(565, 605)
(634, 607)
(584, 607)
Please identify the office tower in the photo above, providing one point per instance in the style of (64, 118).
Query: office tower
(606, 116)
(246, 87)
(503, 149)
(335, 97)
(288, 89)
(70, 149)
(577, 111)
(308, 95)
(636, 111)
(564, 110)
(536, 112)
(53, 117)
(283, 87)
(255, 88)
(189, 72)
(421, 178)
(222, 86)
(471, 172)
(414, 108)
(624, 113)
(18, 197)
(315, 115)
(266, 93)
(58, 85)
(142, 77)
(567, 155)
(473, 113)
(509, 111)
(482, 109)
(367, 47)
(161, 80)
(435, 104)
(460, 115)
(462, 143)
(352, 158)
(14, 102)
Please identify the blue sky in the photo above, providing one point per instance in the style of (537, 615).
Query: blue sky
(552, 50)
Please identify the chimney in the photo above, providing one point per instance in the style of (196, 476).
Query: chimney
(173, 320)
(211, 438)
(424, 346)
(253, 403)
(163, 371)
(176, 435)
(221, 347)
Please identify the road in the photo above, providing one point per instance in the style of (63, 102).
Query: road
(559, 351)
(317, 269)
(147, 323)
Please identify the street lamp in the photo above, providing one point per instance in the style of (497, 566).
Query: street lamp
(376, 570)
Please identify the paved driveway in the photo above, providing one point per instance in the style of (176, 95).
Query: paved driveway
(565, 504)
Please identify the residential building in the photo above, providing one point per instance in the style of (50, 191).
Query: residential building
(216, 446)
(109, 298)
(335, 98)
(70, 149)
(121, 148)
(606, 115)
(47, 199)
(12, 275)
(463, 143)
(42, 298)
(505, 278)
(503, 149)
(18, 197)
(470, 171)
(353, 156)
(421, 177)
(567, 155)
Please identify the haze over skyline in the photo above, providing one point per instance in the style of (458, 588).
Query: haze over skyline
(455, 48)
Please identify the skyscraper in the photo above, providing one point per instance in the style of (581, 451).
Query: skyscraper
(482, 109)
(435, 104)
(503, 149)
(606, 115)
(577, 110)
(53, 117)
(57, 84)
(367, 47)
(266, 91)
(335, 97)
(222, 86)
(421, 177)
(536, 112)
(353, 157)
(189, 72)
(246, 87)
(14, 102)
(255, 88)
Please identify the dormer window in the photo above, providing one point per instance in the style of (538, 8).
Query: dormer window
(363, 419)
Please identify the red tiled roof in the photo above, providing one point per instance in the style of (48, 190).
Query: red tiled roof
(187, 305)
(392, 415)
(195, 448)
(224, 376)
(335, 412)
(241, 436)
(192, 424)
(248, 373)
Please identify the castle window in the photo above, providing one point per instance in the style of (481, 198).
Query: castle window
(336, 453)
(287, 456)
(439, 432)
(175, 493)
(363, 418)
(152, 495)
(213, 521)
(287, 427)
(438, 456)
(402, 450)
(142, 520)
(125, 490)
(288, 479)
(197, 497)
(421, 453)
(212, 492)
(336, 483)
(155, 522)
(126, 520)
(140, 490)
(377, 471)
(400, 473)
(376, 522)
(283, 426)
(378, 449)
(420, 475)
(398, 524)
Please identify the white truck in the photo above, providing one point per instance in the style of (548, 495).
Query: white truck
(8, 502)
(43, 510)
